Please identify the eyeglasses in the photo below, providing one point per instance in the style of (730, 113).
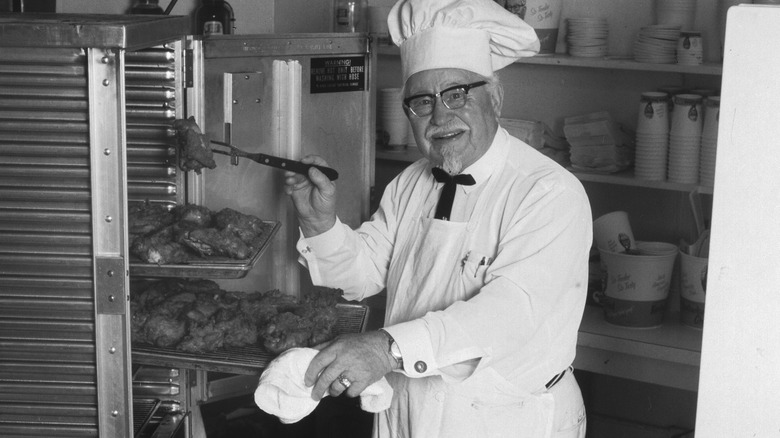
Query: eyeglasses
(453, 97)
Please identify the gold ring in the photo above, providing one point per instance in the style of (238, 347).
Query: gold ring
(344, 381)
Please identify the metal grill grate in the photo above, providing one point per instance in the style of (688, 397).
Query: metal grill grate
(150, 96)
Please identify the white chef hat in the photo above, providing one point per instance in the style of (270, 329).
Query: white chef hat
(474, 35)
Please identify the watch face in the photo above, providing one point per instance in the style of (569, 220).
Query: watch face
(394, 350)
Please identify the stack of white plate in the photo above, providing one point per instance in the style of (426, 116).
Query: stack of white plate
(587, 37)
(657, 44)
(685, 139)
(709, 140)
(652, 136)
(391, 118)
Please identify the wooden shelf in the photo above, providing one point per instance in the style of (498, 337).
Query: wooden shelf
(609, 62)
(625, 178)
(668, 355)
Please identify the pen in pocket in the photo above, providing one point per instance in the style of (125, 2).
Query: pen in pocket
(481, 263)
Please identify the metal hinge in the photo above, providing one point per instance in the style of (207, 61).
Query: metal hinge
(110, 285)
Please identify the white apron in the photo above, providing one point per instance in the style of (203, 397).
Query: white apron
(426, 275)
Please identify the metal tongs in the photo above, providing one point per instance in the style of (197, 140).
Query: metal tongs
(270, 160)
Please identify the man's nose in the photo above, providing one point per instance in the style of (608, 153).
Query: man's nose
(441, 114)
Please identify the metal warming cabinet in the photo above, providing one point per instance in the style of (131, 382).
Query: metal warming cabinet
(86, 105)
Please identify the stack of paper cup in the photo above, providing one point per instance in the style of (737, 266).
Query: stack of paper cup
(391, 118)
(672, 90)
(690, 49)
(709, 140)
(676, 12)
(652, 136)
(685, 139)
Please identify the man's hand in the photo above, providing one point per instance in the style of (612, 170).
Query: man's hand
(362, 358)
(314, 197)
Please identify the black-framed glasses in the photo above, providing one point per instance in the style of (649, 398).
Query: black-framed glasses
(453, 98)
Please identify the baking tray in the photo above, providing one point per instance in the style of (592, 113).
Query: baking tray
(352, 318)
(212, 267)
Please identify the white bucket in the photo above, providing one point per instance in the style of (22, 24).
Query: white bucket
(612, 232)
(636, 287)
(693, 289)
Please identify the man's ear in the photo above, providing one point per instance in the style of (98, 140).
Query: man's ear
(497, 98)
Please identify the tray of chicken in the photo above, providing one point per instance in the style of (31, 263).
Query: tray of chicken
(192, 241)
(194, 324)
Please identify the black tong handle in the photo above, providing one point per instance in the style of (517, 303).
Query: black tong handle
(277, 162)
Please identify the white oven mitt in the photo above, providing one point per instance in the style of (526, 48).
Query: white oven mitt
(282, 392)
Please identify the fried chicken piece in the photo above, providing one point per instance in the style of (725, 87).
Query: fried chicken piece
(279, 300)
(246, 226)
(284, 331)
(202, 338)
(238, 329)
(213, 242)
(319, 306)
(159, 248)
(163, 331)
(197, 216)
(255, 309)
(194, 147)
(144, 218)
(139, 316)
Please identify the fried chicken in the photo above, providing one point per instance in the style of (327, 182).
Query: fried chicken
(188, 232)
(144, 218)
(245, 226)
(197, 316)
(196, 216)
(286, 330)
(194, 147)
(160, 248)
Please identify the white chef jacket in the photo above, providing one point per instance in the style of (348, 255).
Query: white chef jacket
(526, 300)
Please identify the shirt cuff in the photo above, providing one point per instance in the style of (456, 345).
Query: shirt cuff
(322, 245)
(414, 343)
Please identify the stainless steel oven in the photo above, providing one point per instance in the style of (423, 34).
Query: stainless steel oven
(86, 104)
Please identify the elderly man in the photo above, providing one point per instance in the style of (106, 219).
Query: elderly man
(482, 247)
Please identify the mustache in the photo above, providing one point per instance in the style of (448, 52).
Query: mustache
(433, 131)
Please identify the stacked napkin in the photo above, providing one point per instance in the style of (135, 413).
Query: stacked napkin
(283, 393)
(598, 144)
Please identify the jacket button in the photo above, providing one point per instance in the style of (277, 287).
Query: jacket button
(420, 366)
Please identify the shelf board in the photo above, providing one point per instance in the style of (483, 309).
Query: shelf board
(668, 355)
(625, 178)
(608, 62)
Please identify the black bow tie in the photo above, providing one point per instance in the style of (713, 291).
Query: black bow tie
(444, 207)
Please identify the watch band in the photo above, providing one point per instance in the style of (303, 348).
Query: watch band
(394, 350)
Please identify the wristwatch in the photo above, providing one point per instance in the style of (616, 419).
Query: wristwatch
(394, 350)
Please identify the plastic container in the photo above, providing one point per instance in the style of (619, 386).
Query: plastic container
(214, 17)
(148, 7)
(350, 16)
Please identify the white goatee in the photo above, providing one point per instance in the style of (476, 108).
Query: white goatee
(451, 161)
